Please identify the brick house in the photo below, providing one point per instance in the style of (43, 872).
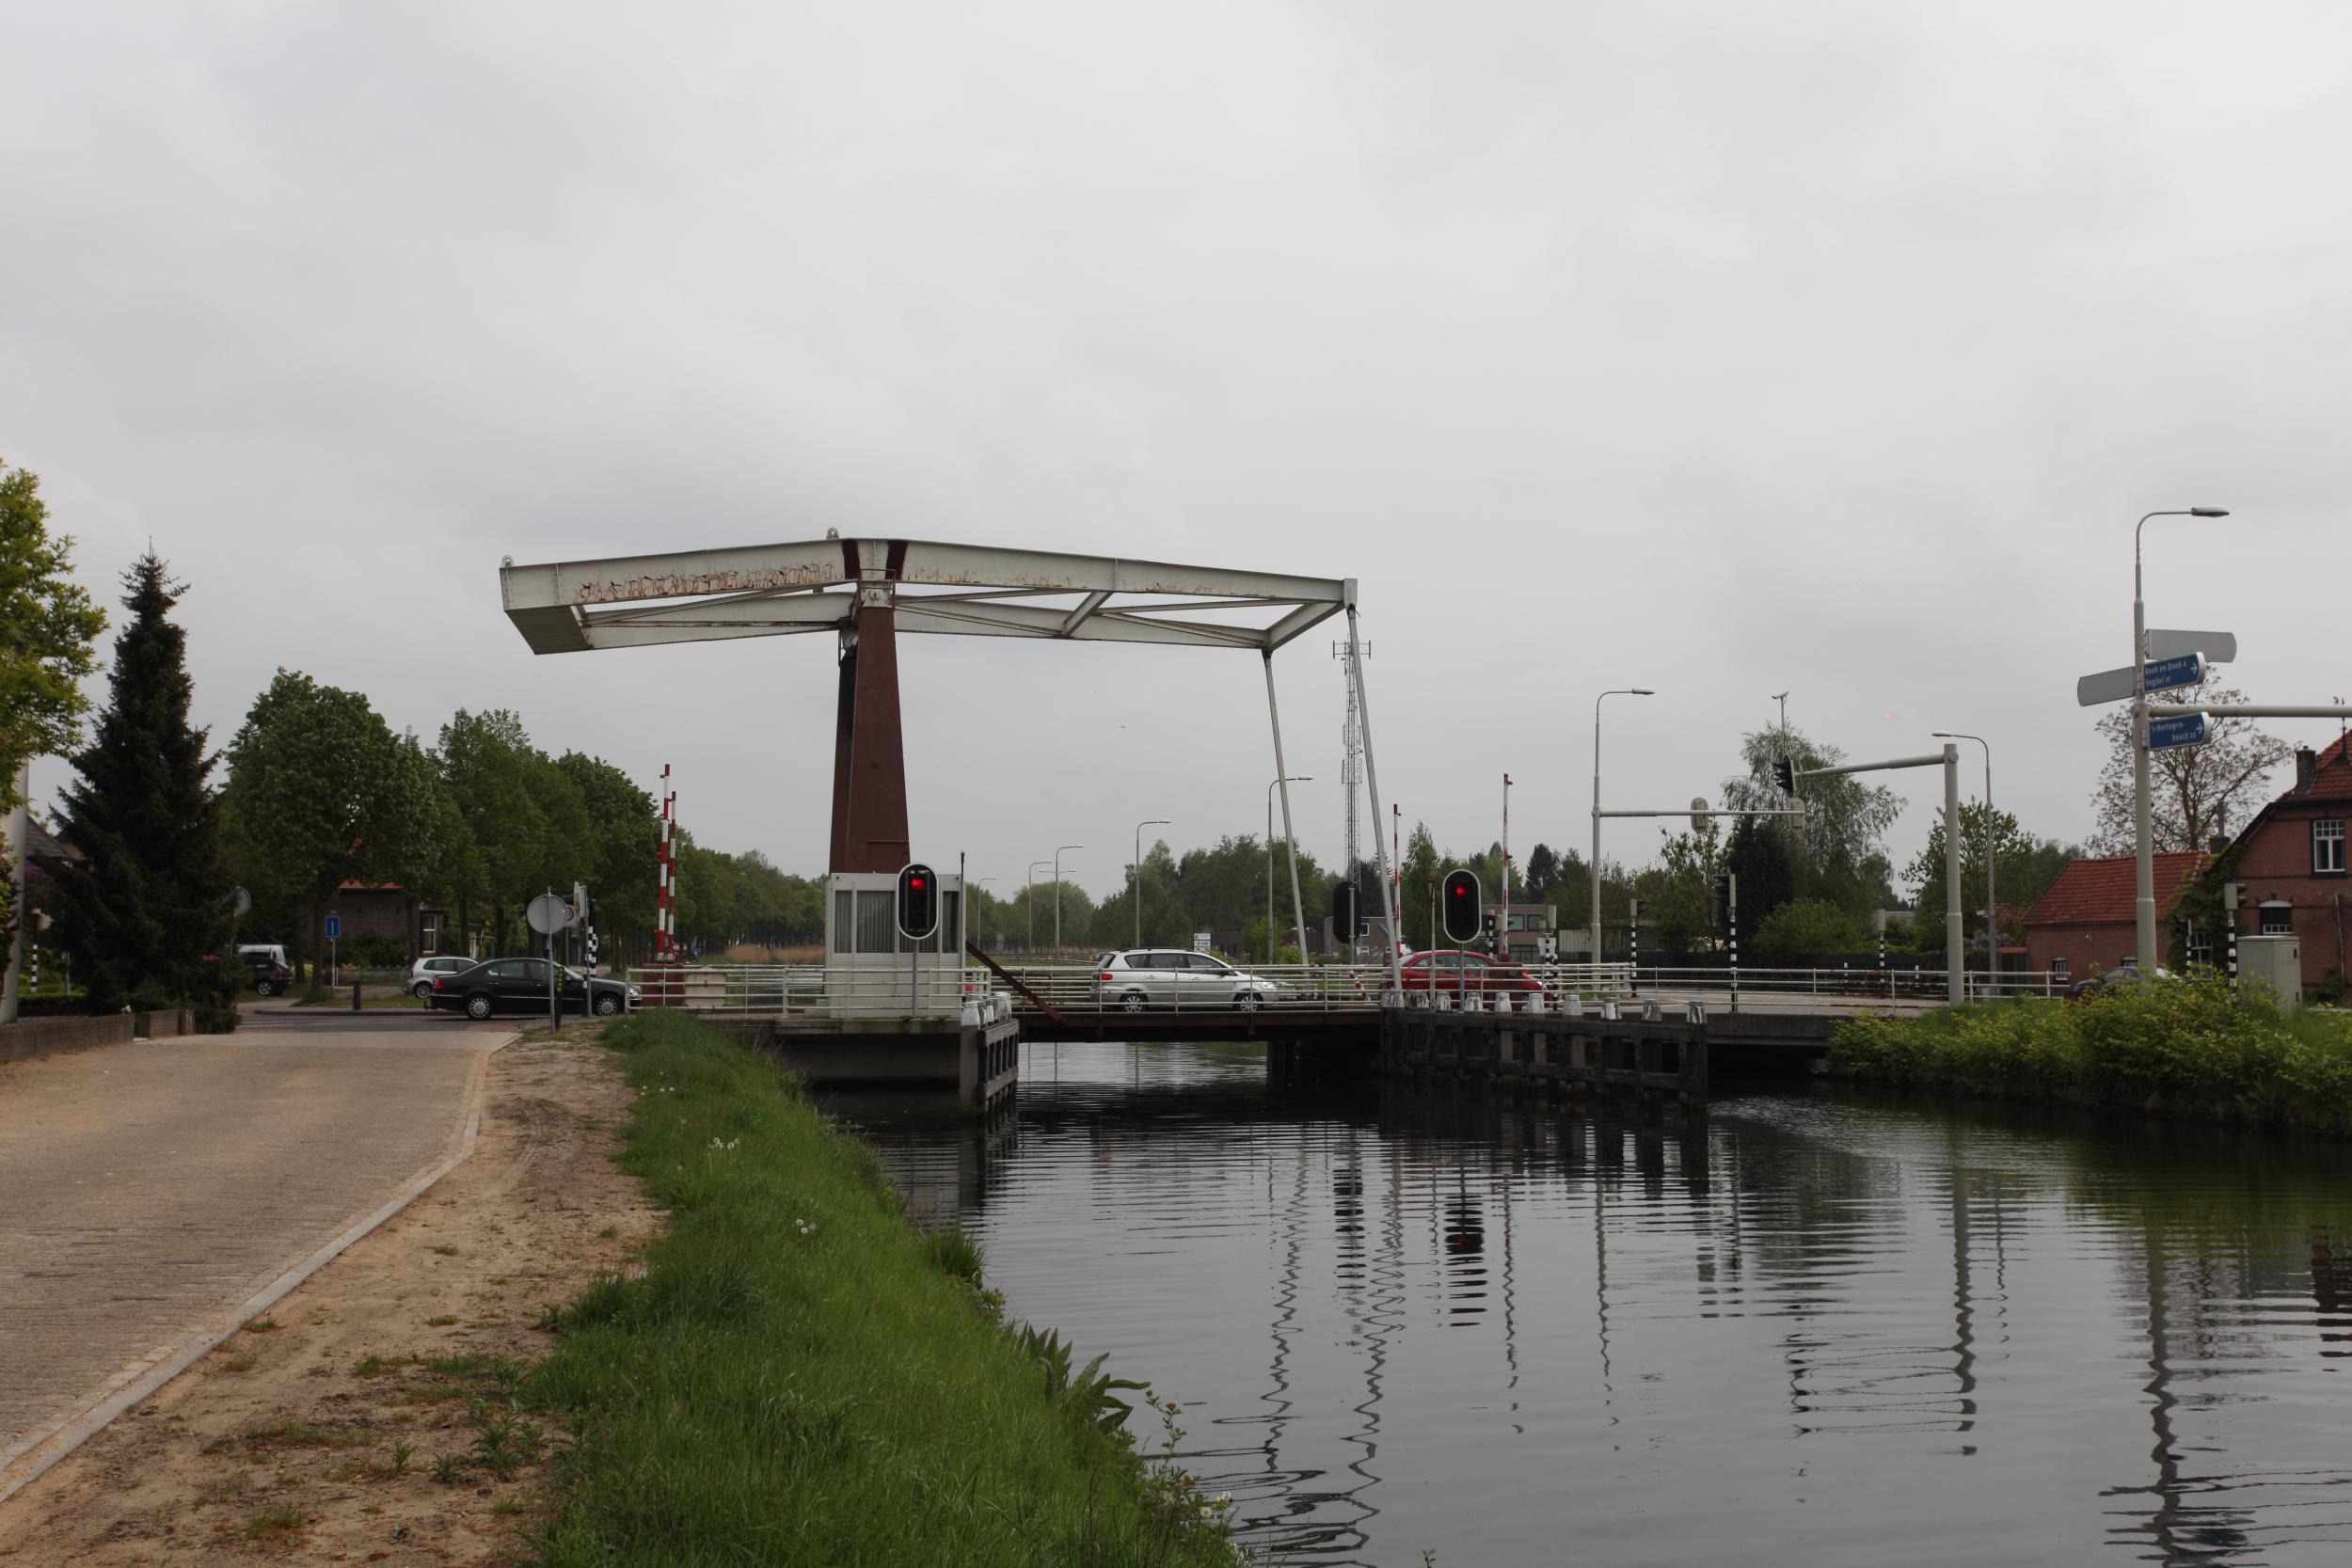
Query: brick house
(2086, 924)
(2290, 863)
(383, 909)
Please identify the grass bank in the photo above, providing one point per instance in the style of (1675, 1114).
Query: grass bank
(796, 1376)
(2190, 1047)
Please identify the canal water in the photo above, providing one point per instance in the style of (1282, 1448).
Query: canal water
(1804, 1329)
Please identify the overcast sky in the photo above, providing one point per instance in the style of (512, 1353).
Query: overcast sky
(1722, 349)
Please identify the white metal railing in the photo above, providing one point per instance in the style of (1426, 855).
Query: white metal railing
(815, 990)
(932, 989)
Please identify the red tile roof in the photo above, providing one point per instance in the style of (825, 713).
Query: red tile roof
(2103, 891)
(2331, 780)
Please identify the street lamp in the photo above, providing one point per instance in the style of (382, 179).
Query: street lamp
(1155, 822)
(1059, 849)
(2143, 830)
(1270, 946)
(1620, 691)
(1992, 902)
(1031, 902)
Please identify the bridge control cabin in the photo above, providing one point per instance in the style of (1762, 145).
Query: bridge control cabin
(873, 971)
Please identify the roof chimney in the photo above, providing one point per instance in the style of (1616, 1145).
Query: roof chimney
(2306, 769)
(2215, 844)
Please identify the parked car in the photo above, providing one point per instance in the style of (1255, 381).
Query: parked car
(2125, 975)
(521, 986)
(1448, 969)
(1172, 977)
(426, 970)
(250, 951)
(268, 976)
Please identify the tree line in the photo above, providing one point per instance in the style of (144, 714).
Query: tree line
(313, 793)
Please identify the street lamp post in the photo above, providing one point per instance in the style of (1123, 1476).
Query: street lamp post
(1031, 902)
(1155, 822)
(1058, 849)
(1271, 946)
(2143, 829)
(1991, 900)
(1620, 691)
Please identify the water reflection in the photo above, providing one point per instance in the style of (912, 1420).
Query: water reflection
(1801, 1329)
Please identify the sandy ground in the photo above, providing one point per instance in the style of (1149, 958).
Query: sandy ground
(289, 1444)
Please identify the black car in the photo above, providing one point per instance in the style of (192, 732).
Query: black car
(521, 986)
(268, 976)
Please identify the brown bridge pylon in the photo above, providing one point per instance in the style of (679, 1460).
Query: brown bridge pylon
(870, 754)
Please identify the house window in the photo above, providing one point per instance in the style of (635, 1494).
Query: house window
(2278, 919)
(2327, 847)
(2200, 948)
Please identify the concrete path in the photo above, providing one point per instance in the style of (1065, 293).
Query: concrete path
(149, 1191)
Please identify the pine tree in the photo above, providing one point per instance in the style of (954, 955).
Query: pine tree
(148, 912)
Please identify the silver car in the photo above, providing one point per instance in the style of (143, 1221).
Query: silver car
(1172, 977)
(426, 970)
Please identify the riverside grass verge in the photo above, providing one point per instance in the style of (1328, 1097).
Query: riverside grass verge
(797, 1376)
(2190, 1047)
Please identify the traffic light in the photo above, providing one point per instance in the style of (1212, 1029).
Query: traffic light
(918, 902)
(1463, 905)
(1785, 775)
(1344, 912)
(1726, 899)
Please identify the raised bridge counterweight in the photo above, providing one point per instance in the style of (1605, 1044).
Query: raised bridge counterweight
(867, 591)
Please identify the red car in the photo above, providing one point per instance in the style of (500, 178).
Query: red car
(1448, 969)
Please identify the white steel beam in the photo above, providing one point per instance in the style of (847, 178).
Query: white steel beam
(763, 590)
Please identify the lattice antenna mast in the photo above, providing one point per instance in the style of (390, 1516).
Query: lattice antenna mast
(1352, 756)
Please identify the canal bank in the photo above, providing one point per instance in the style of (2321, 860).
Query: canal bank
(2192, 1049)
(1818, 1324)
(794, 1375)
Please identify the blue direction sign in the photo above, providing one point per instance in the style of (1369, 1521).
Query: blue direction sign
(2187, 730)
(334, 927)
(2165, 674)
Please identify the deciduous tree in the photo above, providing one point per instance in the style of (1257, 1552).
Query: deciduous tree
(49, 629)
(2194, 792)
(321, 792)
(1839, 852)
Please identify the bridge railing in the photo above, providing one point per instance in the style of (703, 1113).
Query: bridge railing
(1890, 985)
(774, 990)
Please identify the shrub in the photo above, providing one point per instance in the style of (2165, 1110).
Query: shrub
(2191, 1045)
(1804, 929)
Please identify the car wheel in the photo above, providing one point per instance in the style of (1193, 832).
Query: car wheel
(1247, 1001)
(607, 1005)
(477, 1006)
(264, 988)
(422, 989)
(1132, 1001)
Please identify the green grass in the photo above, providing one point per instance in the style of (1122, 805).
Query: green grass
(2185, 1047)
(796, 1376)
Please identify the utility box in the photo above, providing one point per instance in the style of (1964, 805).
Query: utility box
(873, 971)
(2278, 962)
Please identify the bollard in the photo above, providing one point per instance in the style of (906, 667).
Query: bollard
(355, 996)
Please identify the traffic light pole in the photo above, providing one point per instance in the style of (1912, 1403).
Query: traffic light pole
(1955, 973)
(1707, 815)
